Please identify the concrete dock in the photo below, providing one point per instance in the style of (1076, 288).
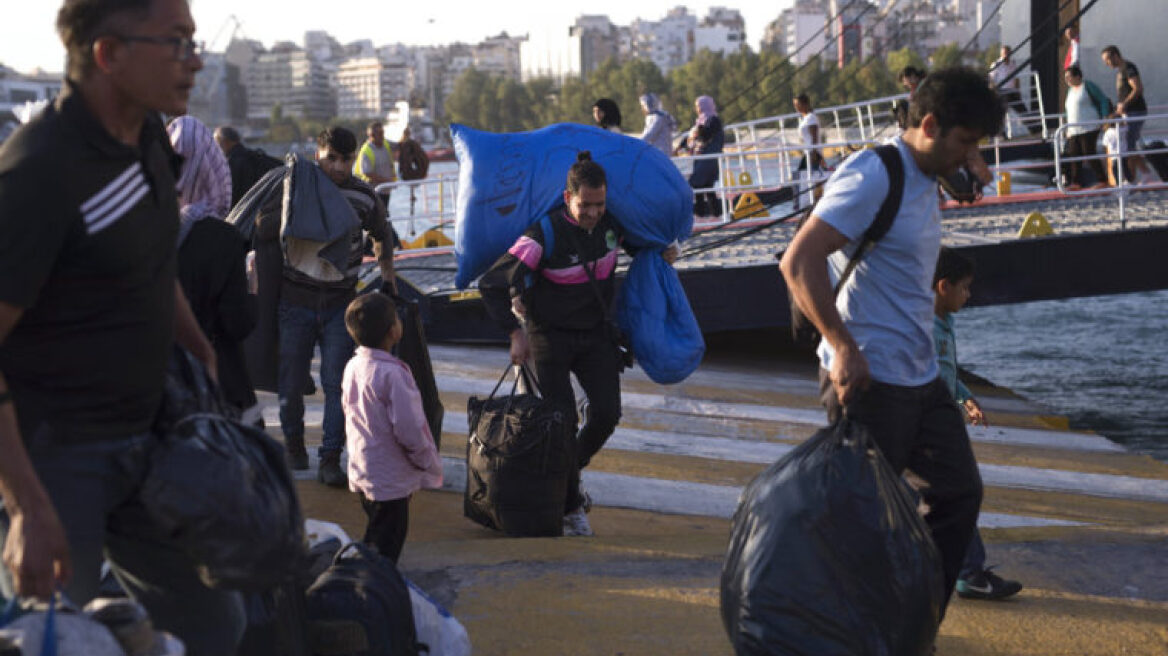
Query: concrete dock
(1080, 521)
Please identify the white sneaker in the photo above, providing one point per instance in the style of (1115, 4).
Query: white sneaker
(576, 524)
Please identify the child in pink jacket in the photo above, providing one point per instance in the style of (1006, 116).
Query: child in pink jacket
(391, 451)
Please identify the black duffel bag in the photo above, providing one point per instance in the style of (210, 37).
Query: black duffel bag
(828, 556)
(360, 606)
(221, 489)
(518, 458)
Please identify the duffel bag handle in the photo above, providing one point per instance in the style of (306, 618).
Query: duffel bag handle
(363, 549)
(521, 370)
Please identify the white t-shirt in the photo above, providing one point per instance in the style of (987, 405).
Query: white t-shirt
(1080, 108)
(805, 122)
(1000, 71)
(1111, 140)
(887, 304)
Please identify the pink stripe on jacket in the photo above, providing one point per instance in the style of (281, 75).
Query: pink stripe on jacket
(575, 275)
(528, 251)
(391, 451)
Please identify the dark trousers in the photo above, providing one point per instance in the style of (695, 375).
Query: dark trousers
(388, 523)
(920, 428)
(94, 488)
(591, 355)
(975, 557)
(1082, 145)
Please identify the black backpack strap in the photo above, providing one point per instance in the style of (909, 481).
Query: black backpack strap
(890, 155)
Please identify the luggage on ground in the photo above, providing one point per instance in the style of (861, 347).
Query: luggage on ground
(360, 606)
(442, 634)
(518, 458)
(828, 555)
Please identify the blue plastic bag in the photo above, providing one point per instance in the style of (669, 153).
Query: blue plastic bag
(655, 314)
(508, 181)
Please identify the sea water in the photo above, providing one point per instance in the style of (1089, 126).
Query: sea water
(1100, 361)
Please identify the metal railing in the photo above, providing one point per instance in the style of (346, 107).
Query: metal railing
(417, 206)
(1124, 159)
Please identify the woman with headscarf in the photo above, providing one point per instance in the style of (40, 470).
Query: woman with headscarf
(706, 137)
(211, 256)
(607, 115)
(659, 124)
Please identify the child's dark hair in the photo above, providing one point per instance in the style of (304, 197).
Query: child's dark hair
(957, 97)
(585, 173)
(369, 318)
(952, 267)
(339, 139)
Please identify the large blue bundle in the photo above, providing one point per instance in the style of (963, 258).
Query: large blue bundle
(508, 181)
(655, 314)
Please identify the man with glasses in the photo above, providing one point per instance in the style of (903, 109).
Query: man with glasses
(89, 309)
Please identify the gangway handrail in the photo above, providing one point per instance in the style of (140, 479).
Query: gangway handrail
(1122, 187)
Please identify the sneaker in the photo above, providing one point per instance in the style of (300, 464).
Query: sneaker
(576, 524)
(296, 454)
(986, 585)
(330, 472)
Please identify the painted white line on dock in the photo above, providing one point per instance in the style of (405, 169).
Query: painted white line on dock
(754, 452)
(807, 417)
(700, 499)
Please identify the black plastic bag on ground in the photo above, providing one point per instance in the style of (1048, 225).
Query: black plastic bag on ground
(221, 489)
(517, 461)
(828, 556)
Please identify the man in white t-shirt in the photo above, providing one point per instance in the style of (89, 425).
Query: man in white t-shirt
(1009, 85)
(812, 161)
(877, 360)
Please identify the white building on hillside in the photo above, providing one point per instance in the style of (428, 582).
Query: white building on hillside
(368, 87)
(553, 54)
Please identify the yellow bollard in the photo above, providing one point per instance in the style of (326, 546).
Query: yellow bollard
(1035, 225)
(728, 178)
(749, 205)
(744, 179)
(1003, 183)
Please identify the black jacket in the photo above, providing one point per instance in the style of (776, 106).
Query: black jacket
(211, 272)
(554, 286)
(247, 166)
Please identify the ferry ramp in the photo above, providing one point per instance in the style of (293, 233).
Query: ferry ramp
(1079, 520)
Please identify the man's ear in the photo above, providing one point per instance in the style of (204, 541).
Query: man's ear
(105, 53)
(930, 126)
(567, 197)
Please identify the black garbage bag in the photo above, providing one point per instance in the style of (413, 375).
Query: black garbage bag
(828, 556)
(221, 489)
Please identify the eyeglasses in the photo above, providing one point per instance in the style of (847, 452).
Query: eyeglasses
(184, 48)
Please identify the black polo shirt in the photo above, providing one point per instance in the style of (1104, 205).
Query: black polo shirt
(87, 248)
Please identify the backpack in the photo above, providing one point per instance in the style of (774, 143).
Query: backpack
(802, 330)
(360, 606)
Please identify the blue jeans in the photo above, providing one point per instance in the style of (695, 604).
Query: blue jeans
(301, 328)
(94, 487)
(974, 557)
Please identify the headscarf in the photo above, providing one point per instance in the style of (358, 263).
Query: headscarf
(651, 102)
(706, 109)
(205, 182)
(612, 115)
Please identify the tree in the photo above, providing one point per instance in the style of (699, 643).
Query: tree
(898, 60)
(946, 56)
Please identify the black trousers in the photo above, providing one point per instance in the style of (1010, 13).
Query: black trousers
(591, 355)
(1082, 145)
(388, 523)
(921, 428)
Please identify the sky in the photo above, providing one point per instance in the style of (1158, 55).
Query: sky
(28, 39)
